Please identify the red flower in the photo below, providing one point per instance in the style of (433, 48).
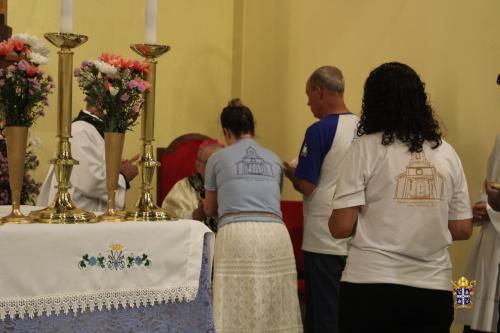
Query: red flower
(6, 48)
(19, 47)
(32, 70)
(120, 62)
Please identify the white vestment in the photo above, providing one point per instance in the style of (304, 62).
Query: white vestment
(483, 263)
(182, 200)
(88, 179)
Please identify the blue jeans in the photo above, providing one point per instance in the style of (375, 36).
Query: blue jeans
(322, 274)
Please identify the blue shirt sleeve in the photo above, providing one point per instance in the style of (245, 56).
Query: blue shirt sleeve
(317, 142)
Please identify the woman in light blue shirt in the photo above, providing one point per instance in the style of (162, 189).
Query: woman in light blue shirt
(255, 280)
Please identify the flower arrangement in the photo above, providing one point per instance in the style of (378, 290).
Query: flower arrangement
(24, 88)
(30, 188)
(115, 85)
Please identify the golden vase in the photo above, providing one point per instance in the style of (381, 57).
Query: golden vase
(17, 141)
(113, 145)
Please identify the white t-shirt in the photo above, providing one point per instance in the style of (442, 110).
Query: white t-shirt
(407, 199)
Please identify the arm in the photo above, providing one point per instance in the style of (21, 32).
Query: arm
(302, 186)
(479, 212)
(459, 212)
(210, 203)
(460, 229)
(343, 221)
(129, 170)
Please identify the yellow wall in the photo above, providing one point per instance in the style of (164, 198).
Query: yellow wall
(264, 50)
(193, 79)
(454, 45)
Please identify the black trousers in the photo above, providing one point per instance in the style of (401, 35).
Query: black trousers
(322, 274)
(467, 329)
(394, 308)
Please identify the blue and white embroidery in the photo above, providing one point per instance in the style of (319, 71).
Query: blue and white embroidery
(116, 259)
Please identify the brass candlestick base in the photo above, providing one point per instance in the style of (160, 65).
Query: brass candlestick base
(145, 209)
(62, 209)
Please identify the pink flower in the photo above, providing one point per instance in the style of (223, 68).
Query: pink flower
(23, 65)
(132, 84)
(124, 97)
(2, 83)
(142, 85)
(76, 72)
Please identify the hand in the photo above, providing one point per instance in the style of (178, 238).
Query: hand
(493, 197)
(289, 170)
(199, 213)
(129, 169)
(479, 211)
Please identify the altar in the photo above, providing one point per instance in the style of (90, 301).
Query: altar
(106, 277)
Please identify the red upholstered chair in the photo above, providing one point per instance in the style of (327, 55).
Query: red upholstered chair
(177, 161)
(293, 217)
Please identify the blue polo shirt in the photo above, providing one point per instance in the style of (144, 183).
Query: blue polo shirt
(317, 143)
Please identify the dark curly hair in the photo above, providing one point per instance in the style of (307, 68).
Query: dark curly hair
(395, 103)
(238, 118)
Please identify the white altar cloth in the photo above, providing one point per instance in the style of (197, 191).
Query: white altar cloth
(53, 268)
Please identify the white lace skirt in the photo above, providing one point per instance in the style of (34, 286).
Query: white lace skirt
(255, 280)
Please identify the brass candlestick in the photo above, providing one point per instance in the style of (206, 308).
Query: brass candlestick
(62, 210)
(145, 209)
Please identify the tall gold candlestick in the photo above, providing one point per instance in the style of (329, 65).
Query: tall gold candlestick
(62, 210)
(145, 209)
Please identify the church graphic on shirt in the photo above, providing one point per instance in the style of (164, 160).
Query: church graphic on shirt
(420, 182)
(253, 165)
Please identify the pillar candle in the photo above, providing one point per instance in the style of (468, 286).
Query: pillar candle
(67, 16)
(150, 21)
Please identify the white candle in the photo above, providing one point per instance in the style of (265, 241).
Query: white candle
(67, 16)
(150, 21)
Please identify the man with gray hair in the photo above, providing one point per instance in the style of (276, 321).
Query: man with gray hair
(185, 199)
(315, 176)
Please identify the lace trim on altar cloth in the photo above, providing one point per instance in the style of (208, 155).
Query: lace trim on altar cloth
(48, 305)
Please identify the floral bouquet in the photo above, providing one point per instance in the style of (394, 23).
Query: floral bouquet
(24, 88)
(115, 85)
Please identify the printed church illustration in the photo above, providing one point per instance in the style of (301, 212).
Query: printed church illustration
(253, 164)
(420, 181)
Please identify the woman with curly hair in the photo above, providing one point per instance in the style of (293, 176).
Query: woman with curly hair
(403, 196)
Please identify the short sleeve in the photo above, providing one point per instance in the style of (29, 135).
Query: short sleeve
(310, 156)
(210, 177)
(350, 190)
(459, 207)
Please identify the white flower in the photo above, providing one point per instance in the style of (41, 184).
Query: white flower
(38, 59)
(34, 140)
(113, 91)
(105, 68)
(35, 43)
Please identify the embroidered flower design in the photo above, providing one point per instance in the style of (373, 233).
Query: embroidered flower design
(117, 247)
(115, 260)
